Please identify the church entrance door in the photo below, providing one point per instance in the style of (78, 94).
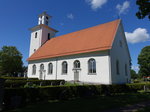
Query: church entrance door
(76, 75)
(42, 72)
(41, 75)
(76, 70)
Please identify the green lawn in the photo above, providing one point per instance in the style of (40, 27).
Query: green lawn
(86, 104)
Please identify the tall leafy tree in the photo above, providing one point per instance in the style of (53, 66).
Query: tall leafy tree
(133, 74)
(144, 61)
(144, 9)
(10, 61)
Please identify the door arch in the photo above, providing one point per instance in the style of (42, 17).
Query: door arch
(76, 70)
(41, 71)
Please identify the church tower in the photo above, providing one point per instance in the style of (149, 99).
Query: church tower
(41, 33)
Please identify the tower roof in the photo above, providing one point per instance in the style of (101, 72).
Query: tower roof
(44, 13)
(97, 38)
(42, 25)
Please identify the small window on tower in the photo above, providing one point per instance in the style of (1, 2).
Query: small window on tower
(34, 50)
(46, 17)
(48, 36)
(36, 35)
(46, 22)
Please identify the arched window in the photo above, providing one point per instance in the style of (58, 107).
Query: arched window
(50, 68)
(117, 67)
(33, 69)
(35, 34)
(76, 64)
(64, 67)
(92, 66)
(126, 73)
(41, 67)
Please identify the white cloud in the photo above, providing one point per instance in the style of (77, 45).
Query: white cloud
(95, 4)
(123, 8)
(70, 16)
(138, 35)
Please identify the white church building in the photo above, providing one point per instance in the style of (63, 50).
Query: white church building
(97, 54)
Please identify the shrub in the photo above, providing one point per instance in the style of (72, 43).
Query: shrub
(138, 86)
(28, 83)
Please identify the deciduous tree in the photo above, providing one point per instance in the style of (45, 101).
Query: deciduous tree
(144, 9)
(144, 61)
(10, 61)
(133, 74)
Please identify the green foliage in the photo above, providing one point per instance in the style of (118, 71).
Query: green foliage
(133, 74)
(71, 84)
(30, 83)
(30, 95)
(64, 92)
(139, 86)
(144, 9)
(16, 78)
(10, 61)
(144, 61)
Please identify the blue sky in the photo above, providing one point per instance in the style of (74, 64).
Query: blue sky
(17, 16)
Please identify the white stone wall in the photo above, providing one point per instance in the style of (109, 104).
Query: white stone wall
(35, 43)
(45, 32)
(42, 37)
(122, 55)
(102, 68)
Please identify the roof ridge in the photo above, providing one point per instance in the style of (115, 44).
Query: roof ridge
(88, 28)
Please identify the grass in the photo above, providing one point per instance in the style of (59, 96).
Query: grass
(93, 104)
(146, 109)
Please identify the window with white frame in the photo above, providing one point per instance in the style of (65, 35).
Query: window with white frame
(64, 67)
(92, 66)
(42, 67)
(50, 68)
(33, 69)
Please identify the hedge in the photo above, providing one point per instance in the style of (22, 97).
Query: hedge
(18, 78)
(14, 97)
(139, 86)
(22, 83)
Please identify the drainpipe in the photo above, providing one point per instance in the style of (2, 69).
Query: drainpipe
(56, 67)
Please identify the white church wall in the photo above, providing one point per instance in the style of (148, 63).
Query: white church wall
(38, 63)
(120, 52)
(102, 68)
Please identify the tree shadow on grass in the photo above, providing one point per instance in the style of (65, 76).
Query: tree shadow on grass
(87, 104)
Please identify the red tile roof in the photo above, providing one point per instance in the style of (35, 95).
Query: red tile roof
(95, 38)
